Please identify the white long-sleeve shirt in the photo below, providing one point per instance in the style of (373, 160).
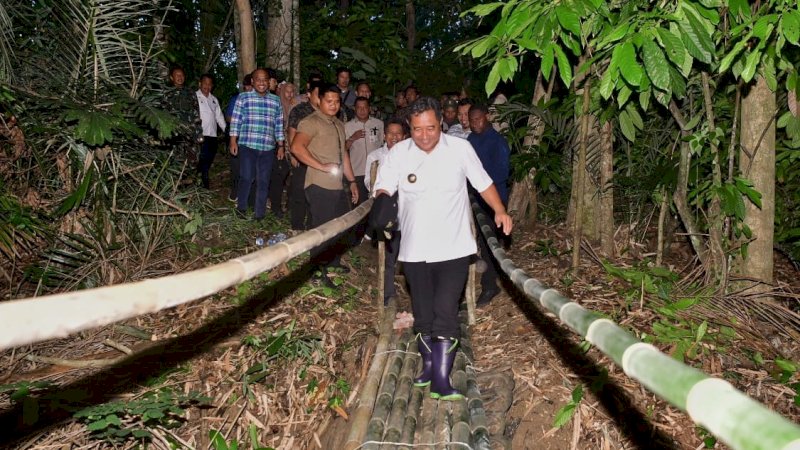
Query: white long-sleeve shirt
(210, 114)
(377, 155)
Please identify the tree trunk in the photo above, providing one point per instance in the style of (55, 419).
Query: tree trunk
(524, 198)
(279, 36)
(681, 189)
(606, 216)
(717, 261)
(247, 42)
(588, 192)
(757, 163)
(237, 39)
(581, 177)
(296, 42)
(411, 25)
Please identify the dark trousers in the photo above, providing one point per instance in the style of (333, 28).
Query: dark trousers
(326, 205)
(234, 165)
(436, 290)
(208, 150)
(280, 172)
(298, 205)
(390, 265)
(255, 166)
(363, 194)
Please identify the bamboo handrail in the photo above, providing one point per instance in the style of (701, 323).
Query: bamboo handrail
(31, 320)
(730, 415)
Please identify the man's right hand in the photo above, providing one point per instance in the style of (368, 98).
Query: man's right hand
(357, 135)
(331, 168)
(234, 148)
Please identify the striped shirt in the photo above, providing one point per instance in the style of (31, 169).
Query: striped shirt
(257, 121)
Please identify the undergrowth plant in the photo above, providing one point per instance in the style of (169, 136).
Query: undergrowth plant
(133, 420)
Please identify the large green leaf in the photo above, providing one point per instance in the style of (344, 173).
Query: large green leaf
(655, 64)
(548, 57)
(695, 37)
(626, 125)
(628, 65)
(484, 10)
(790, 26)
(564, 66)
(568, 19)
(750, 65)
(673, 45)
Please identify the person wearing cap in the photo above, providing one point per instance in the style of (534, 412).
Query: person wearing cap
(320, 145)
(429, 172)
(449, 114)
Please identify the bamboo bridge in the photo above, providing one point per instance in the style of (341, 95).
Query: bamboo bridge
(391, 413)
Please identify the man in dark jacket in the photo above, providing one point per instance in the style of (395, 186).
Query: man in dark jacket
(494, 153)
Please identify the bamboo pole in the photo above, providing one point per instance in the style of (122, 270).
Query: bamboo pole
(373, 172)
(361, 416)
(469, 292)
(731, 416)
(414, 411)
(397, 417)
(37, 319)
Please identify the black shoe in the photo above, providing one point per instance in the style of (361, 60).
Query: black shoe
(487, 296)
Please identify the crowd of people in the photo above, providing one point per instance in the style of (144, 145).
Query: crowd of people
(331, 149)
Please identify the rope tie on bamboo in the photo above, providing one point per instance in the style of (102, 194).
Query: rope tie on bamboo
(403, 444)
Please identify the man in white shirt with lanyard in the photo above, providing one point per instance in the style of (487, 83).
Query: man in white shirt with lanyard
(364, 136)
(211, 117)
(430, 173)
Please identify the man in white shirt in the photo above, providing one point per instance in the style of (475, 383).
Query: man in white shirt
(461, 129)
(364, 136)
(211, 117)
(396, 131)
(430, 173)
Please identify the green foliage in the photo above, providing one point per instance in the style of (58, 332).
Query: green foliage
(338, 393)
(120, 421)
(21, 229)
(567, 411)
(20, 390)
(283, 344)
(219, 443)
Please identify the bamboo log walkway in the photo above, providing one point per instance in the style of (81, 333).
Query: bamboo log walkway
(405, 417)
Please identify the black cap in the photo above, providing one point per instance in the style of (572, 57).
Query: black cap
(383, 217)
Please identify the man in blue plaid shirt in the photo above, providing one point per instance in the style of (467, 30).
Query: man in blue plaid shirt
(257, 137)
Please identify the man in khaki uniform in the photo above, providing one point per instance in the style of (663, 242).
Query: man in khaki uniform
(320, 144)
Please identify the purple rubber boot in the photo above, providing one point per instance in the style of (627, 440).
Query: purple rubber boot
(443, 354)
(424, 346)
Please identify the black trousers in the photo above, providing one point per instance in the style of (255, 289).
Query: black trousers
(277, 182)
(298, 205)
(234, 165)
(390, 265)
(324, 206)
(363, 194)
(208, 150)
(436, 290)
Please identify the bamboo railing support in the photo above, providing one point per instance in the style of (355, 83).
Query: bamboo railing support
(731, 416)
(37, 319)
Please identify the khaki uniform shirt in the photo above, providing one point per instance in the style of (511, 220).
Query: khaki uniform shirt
(327, 146)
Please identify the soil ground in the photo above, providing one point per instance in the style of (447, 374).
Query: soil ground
(282, 358)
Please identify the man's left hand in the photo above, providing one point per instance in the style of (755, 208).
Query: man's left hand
(504, 222)
(354, 193)
(281, 153)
